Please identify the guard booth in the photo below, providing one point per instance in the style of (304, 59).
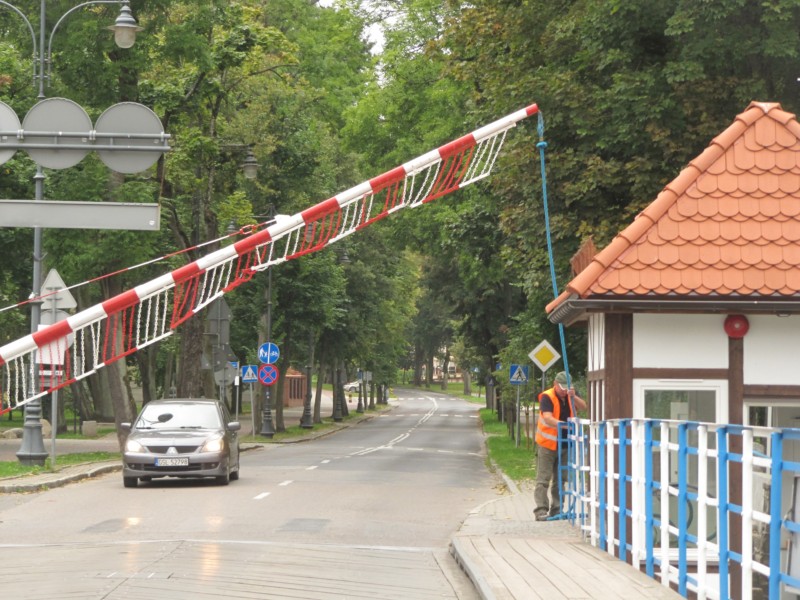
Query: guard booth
(294, 388)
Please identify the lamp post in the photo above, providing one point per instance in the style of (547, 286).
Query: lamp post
(32, 450)
(306, 420)
(267, 427)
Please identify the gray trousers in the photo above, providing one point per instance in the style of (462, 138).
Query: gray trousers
(546, 481)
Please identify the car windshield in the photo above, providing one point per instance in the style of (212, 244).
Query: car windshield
(179, 416)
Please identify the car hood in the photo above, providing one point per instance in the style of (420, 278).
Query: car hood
(172, 437)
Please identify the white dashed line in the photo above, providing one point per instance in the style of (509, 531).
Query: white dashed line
(326, 461)
(285, 483)
(311, 468)
(261, 496)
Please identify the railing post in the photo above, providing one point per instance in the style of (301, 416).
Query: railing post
(722, 475)
(683, 455)
(775, 517)
(648, 500)
(623, 491)
(601, 479)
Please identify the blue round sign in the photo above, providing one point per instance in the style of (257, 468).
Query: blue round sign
(269, 353)
(268, 374)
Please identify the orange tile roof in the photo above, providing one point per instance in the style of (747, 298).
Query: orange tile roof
(727, 226)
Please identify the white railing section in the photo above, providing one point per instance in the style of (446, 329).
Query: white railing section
(44, 361)
(709, 510)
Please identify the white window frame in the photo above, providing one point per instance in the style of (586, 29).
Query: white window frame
(719, 386)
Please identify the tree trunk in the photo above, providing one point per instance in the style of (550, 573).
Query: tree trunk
(190, 375)
(445, 369)
(146, 359)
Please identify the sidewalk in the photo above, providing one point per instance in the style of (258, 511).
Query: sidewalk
(509, 555)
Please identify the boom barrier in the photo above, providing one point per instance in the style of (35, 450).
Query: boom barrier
(150, 312)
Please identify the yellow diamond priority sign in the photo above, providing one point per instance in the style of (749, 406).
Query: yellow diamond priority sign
(544, 355)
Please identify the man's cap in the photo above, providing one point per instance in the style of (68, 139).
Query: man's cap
(561, 379)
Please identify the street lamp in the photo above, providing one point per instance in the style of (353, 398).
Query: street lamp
(267, 427)
(32, 450)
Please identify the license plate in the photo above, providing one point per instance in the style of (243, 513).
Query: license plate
(172, 462)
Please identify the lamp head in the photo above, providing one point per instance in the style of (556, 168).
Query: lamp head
(250, 165)
(125, 28)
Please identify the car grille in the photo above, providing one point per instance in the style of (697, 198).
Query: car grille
(165, 449)
(154, 469)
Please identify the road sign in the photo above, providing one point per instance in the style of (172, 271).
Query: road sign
(544, 355)
(55, 293)
(249, 374)
(268, 374)
(518, 374)
(269, 353)
(226, 375)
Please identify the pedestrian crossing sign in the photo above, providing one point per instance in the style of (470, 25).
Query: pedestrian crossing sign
(519, 374)
(249, 374)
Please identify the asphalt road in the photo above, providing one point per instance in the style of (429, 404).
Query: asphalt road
(366, 512)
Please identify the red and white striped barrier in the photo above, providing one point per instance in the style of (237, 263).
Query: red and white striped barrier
(152, 311)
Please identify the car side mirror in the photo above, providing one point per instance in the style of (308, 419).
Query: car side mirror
(234, 426)
(125, 426)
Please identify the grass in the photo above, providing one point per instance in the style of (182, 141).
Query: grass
(516, 462)
(15, 468)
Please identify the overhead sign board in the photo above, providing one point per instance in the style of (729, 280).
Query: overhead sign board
(544, 355)
(68, 214)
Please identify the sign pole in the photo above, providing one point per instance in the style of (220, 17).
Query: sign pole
(53, 427)
(252, 413)
(518, 416)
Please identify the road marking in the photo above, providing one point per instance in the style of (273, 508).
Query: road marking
(311, 468)
(326, 461)
(285, 483)
(261, 496)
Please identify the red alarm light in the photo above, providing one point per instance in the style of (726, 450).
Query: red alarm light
(736, 326)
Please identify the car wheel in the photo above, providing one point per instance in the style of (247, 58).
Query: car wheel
(130, 482)
(224, 479)
(235, 475)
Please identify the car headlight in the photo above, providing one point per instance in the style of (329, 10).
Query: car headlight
(215, 444)
(134, 446)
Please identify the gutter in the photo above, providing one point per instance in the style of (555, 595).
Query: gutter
(575, 308)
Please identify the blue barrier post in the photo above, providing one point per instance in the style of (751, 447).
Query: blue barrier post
(623, 489)
(648, 501)
(683, 456)
(601, 479)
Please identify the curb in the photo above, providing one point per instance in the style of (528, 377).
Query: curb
(55, 480)
(462, 558)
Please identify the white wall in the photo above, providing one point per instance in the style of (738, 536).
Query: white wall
(596, 342)
(772, 350)
(679, 341)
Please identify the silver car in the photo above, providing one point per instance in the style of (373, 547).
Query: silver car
(181, 438)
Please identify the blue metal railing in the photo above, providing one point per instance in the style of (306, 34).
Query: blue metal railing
(625, 478)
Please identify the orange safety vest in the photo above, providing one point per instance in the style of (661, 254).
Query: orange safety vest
(547, 436)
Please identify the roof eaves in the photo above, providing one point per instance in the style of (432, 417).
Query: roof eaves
(574, 309)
